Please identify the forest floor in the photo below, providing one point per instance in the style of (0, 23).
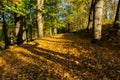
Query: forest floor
(60, 57)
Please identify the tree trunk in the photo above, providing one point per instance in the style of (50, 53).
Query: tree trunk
(68, 27)
(31, 33)
(51, 31)
(4, 28)
(40, 19)
(24, 29)
(27, 38)
(20, 31)
(26, 32)
(97, 23)
(117, 17)
(55, 30)
(90, 19)
(19, 23)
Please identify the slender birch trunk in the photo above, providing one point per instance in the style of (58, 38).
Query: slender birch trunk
(40, 18)
(97, 23)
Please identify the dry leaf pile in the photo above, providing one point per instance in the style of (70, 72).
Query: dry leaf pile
(60, 57)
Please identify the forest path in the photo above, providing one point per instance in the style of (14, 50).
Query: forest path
(60, 57)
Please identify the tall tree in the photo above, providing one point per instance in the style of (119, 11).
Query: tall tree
(19, 29)
(5, 5)
(90, 19)
(40, 18)
(97, 21)
(117, 17)
(5, 31)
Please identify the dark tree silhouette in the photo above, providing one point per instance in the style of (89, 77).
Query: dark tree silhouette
(117, 17)
(5, 31)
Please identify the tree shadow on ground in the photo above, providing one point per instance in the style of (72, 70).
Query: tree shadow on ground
(82, 67)
(34, 62)
(67, 61)
(21, 67)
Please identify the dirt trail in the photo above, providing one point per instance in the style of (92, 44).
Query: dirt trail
(60, 57)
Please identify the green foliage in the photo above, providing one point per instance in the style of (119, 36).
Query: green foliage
(10, 4)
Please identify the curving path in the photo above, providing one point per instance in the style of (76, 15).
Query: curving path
(60, 57)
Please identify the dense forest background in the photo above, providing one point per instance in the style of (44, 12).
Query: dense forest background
(26, 20)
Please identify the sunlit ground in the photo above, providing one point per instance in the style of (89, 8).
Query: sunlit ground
(60, 57)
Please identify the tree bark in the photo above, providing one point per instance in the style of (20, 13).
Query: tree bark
(31, 33)
(55, 30)
(20, 31)
(19, 24)
(5, 31)
(68, 27)
(39, 18)
(24, 29)
(117, 17)
(90, 19)
(97, 23)
(51, 31)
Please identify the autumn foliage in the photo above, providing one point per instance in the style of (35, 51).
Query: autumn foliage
(60, 57)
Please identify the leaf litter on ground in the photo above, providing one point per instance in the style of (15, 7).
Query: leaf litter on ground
(60, 57)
